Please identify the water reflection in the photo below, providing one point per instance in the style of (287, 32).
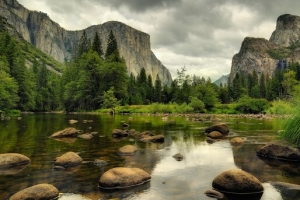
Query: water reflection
(188, 179)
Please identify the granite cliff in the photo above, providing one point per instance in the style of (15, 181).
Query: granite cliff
(264, 55)
(38, 29)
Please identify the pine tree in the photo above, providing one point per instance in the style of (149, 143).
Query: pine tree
(157, 89)
(262, 86)
(112, 45)
(83, 45)
(97, 46)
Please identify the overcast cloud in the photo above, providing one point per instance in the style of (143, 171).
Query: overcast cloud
(202, 35)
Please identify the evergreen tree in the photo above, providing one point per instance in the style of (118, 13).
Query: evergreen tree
(262, 86)
(97, 46)
(112, 45)
(83, 45)
(157, 90)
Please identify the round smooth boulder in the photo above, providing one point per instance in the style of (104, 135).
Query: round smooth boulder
(68, 132)
(37, 192)
(237, 141)
(215, 135)
(127, 150)
(222, 128)
(237, 181)
(68, 159)
(13, 159)
(279, 151)
(122, 177)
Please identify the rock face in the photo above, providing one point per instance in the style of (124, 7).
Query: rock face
(287, 30)
(279, 151)
(13, 159)
(254, 55)
(237, 181)
(122, 177)
(37, 192)
(68, 159)
(40, 30)
(255, 52)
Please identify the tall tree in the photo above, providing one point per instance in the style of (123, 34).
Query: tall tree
(97, 46)
(157, 89)
(83, 45)
(112, 45)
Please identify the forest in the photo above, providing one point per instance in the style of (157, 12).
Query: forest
(97, 79)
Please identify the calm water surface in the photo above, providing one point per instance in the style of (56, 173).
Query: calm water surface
(187, 179)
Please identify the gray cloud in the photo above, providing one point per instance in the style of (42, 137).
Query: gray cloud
(201, 34)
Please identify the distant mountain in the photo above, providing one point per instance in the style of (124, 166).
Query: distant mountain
(222, 80)
(264, 56)
(38, 29)
(29, 51)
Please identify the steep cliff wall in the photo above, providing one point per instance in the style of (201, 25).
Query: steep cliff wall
(262, 55)
(287, 30)
(254, 55)
(40, 30)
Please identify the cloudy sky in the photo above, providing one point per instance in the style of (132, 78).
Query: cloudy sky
(201, 35)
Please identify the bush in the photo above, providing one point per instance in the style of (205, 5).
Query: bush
(184, 108)
(249, 105)
(291, 128)
(280, 107)
(197, 105)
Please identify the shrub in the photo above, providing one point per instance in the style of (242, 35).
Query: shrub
(291, 128)
(184, 108)
(249, 105)
(280, 107)
(197, 105)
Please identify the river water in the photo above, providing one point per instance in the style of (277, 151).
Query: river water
(171, 179)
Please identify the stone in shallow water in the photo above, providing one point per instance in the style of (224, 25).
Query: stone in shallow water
(279, 151)
(37, 192)
(237, 181)
(127, 150)
(178, 157)
(222, 128)
(123, 177)
(68, 159)
(68, 132)
(237, 141)
(13, 159)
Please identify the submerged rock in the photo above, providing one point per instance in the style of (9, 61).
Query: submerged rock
(86, 136)
(214, 194)
(13, 159)
(215, 135)
(37, 192)
(73, 121)
(279, 151)
(68, 132)
(178, 157)
(237, 181)
(237, 141)
(222, 128)
(119, 133)
(68, 159)
(99, 163)
(154, 139)
(127, 150)
(287, 190)
(122, 177)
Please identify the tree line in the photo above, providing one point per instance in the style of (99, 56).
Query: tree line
(95, 79)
